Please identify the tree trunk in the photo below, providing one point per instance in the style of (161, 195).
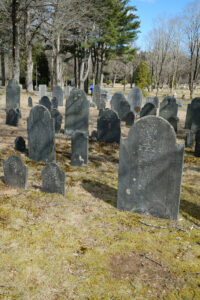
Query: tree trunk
(58, 62)
(75, 70)
(3, 78)
(102, 65)
(29, 60)
(83, 76)
(15, 41)
(114, 80)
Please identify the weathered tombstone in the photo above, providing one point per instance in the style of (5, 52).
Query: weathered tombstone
(168, 108)
(45, 102)
(30, 102)
(20, 144)
(188, 120)
(174, 122)
(79, 155)
(67, 91)
(53, 179)
(97, 95)
(195, 116)
(117, 98)
(42, 90)
(56, 115)
(153, 100)
(108, 127)
(41, 134)
(54, 103)
(148, 109)
(94, 136)
(135, 99)
(12, 117)
(58, 93)
(12, 95)
(129, 118)
(197, 145)
(150, 169)
(76, 112)
(15, 172)
(189, 140)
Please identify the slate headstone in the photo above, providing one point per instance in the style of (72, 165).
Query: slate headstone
(189, 140)
(168, 108)
(195, 115)
(45, 102)
(41, 134)
(135, 99)
(20, 144)
(54, 103)
(129, 118)
(12, 95)
(148, 109)
(97, 95)
(76, 112)
(79, 155)
(188, 120)
(174, 122)
(58, 93)
(12, 117)
(197, 145)
(53, 179)
(153, 100)
(15, 172)
(108, 127)
(150, 169)
(30, 102)
(56, 115)
(116, 99)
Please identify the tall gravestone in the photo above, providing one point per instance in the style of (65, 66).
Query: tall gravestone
(58, 93)
(195, 115)
(53, 179)
(169, 111)
(42, 90)
(57, 117)
(108, 127)
(15, 172)
(148, 109)
(41, 135)
(46, 102)
(150, 169)
(188, 120)
(135, 99)
(12, 95)
(97, 95)
(76, 112)
(79, 155)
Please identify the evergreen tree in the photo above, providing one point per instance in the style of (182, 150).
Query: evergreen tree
(143, 76)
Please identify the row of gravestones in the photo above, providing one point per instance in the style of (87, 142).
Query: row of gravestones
(150, 170)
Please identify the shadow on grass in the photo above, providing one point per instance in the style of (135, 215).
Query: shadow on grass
(190, 208)
(101, 191)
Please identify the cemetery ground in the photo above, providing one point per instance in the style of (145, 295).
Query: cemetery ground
(81, 246)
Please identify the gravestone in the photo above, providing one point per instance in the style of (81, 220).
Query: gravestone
(79, 155)
(188, 120)
(53, 179)
(20, 144)
(197, 145)
(57, 117)
(168, 108)
(12, 95)
(42, 90)
(45, 102)
(15, 172)
(76, 112)
(58, 93)
(148, 109)
(117, 98)
(195, 116)
(67, 91)
(129, 118)
(174, 122)
(41, 133)
(153, 100)
(30, 102)
(54, 103)
(189, 140)
(135, 99)
(108, 127)
(150, 169)
(97, 95)
(12, 117)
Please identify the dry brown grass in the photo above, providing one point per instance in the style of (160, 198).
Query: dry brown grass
(81, 246)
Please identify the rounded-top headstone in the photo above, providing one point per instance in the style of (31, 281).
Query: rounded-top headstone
(12, 117)
(20, 144)
(116, 99)
(54, 102)
(58, 93)
(45, 102)
(135, 99)
(53, 179)
(12, 95)
(30, 102)
(148, 109)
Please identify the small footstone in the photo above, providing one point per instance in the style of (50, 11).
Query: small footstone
(53, 179)
(15, 172)
(20, 144)
(12, 117)
(79, 154)
(30, 102)
(129, 119)
(45, 102)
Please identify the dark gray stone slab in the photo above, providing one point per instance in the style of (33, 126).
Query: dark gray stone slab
(58, 93)
(168, 108)
(153, 100)
(45, 102)
(129, 118)
(197, 145)
(12, 95)
(97, 95)
(76, 112)
(148, 109)
(30, 102)
(108, 127)
(54, 103)
(188, 120)
(189, 139)
(174, 122)
(41, 134)
(15, 172)
(195, 115)
(12, 117)
(135, 99)
(150, 169)
(56, 115)
(53, 179)
(20, 144)
(116, 99)
(79, 154)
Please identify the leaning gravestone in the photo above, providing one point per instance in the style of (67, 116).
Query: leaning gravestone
(53, 179)
(30, 102)
(150, 169)
(42, 90)
(188, 120)
(108, 127)
(54, 103)
(153, 100)
(79, 154)
(15, 172)
(41, 134)
(148, 109)
(135, 99)
(20, 144)
(12, 95)
(12, 117)
(45, 102)
(168, 108)
(76, 112)
(58, 93)
(56, 115)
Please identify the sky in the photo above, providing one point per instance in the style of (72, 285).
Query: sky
(149, 10)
